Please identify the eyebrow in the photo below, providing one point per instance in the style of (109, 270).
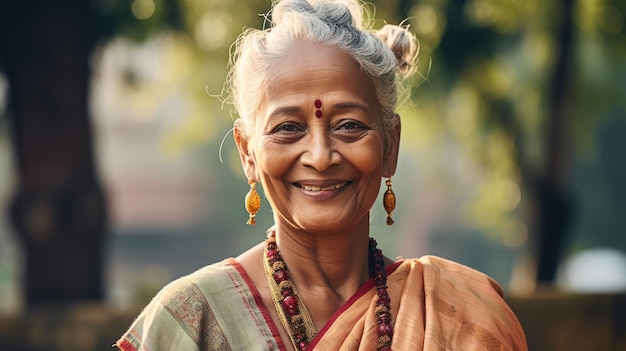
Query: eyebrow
(350, 106)
(286, 110)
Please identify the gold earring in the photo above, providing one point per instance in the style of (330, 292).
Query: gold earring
(253, 202)
(389, 201)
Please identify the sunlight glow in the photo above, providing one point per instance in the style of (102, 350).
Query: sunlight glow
(143, 9)
(425, 19)
(507, 195)
(597, 270)
(211, 30)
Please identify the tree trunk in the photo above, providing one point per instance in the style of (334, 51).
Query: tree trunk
(58, 210)
(554, 205)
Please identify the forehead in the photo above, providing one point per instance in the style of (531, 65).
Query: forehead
(312, 71)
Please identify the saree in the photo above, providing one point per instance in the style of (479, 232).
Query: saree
(436, 305)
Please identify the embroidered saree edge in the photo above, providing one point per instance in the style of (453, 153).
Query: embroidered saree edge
(216, 307)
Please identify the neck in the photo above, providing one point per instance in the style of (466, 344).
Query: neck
(300, 323)
(332, 262)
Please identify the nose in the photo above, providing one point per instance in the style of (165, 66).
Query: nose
(320, 152)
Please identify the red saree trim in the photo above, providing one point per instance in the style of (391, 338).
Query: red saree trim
(125, 345)
(364, 289)
(259, 302)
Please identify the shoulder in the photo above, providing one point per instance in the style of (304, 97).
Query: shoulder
(440, 268)
(181, 313)
(466, 306)
(193, 286)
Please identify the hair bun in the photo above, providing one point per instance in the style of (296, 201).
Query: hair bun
(403, 44)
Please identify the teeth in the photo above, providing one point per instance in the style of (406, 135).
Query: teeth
(322, 188)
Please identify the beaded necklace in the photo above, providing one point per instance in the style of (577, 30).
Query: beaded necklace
(293, 313)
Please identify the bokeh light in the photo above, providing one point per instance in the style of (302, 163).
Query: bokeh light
(143, 9)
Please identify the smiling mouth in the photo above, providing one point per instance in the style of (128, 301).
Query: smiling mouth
(321, 188)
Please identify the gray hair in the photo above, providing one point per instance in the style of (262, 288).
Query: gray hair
(386, 56)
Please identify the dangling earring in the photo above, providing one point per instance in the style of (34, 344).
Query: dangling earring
(253, 203)
(389, 201)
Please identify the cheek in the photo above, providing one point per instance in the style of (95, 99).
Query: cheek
(368, 158)
(272, 166)
(274, 161)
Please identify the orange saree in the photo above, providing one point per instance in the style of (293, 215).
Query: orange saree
(436, 305)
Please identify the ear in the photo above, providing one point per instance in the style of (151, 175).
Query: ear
(390, 161)
(243, 145)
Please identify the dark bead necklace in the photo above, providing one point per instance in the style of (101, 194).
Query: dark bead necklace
(293, 313)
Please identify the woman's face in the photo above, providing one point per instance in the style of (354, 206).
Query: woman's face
(316, 143)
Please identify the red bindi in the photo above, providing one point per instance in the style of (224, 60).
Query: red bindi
(318, 105)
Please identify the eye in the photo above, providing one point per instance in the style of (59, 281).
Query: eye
(287, 128)
(350, 125)
(350, 130)
(287, 132)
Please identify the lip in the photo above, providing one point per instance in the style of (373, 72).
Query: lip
(321, 189)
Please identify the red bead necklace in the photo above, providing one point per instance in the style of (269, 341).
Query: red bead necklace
(293, 313)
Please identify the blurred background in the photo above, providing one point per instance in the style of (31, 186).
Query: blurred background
(118, 172)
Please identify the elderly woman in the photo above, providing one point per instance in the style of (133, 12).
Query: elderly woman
(316, 95)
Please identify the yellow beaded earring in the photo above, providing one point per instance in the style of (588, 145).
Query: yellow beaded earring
(389, 201)
(253, 202)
